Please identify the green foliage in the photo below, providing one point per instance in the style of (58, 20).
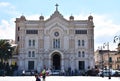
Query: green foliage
(5, 50)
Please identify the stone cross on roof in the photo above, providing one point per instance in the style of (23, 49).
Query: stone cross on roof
(56, 7)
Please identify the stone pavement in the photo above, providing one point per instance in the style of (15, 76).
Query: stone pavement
(59, 78)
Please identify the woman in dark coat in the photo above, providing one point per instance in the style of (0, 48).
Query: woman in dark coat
(37, 77)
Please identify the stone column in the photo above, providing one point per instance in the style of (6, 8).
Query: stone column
(49, 64)
(62, 64)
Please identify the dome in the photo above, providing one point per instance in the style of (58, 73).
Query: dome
(22, 17)
(90, 17)
(41, 17)
(71, 17)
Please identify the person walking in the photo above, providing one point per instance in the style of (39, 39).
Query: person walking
(44, 74)
(37, 77)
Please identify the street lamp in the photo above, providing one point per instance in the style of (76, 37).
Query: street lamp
(107, 44)
(117, 38)
(101, 52)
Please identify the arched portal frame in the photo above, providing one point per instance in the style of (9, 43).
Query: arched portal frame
(60, 57)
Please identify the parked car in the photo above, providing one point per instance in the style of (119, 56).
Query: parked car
(2, 72)
(27, 73)
(56, 72)
(117, 73)
(105, 72)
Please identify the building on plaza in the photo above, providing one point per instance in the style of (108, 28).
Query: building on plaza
(117, 64)
(102, 59)
(55, 43)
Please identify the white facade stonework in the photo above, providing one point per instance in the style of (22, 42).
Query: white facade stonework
(55, 43)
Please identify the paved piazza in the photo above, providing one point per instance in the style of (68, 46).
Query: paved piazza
(60, 78)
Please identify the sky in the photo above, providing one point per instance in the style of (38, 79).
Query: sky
(106, 16)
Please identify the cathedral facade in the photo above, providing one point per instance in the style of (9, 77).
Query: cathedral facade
(55, 43)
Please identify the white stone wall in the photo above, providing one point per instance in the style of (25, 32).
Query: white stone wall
(66, 42)
(44, 41)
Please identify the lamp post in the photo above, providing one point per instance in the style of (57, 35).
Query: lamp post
(101, 52)
(117, 38)
(107, 44)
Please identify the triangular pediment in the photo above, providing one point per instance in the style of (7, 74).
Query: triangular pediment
(56, 14)
(56, 20)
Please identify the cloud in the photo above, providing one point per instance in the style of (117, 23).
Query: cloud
(105, 30)
(7, 29)
(8, 9)
(7, 25)
(4, 4)
(105, 26)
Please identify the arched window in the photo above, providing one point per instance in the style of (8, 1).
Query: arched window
(29, 53)
(83, 43)
(79, 53)
(83, 54)
(33, 53)
(29, 42)
(78, 42)
(18, 28)
(18, 39)
(56, 43)
(33, 42)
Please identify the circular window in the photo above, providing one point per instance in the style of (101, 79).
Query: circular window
(56, 34)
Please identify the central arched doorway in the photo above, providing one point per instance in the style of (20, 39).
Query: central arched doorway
(56, 61)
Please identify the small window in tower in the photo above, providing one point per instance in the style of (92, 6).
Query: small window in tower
(78, 42)
(18, 28)
(18, 38)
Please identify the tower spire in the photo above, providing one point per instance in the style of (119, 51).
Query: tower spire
(56, 7)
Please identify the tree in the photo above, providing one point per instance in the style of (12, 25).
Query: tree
(5, 50)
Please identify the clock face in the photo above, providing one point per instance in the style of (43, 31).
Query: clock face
(56, 34)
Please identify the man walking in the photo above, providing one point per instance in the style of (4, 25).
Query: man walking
(44, 74)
